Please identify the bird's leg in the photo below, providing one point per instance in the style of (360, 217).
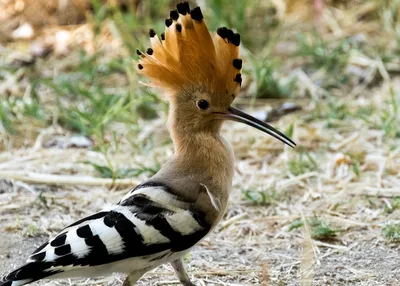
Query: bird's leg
(133, 277)
(181, 272)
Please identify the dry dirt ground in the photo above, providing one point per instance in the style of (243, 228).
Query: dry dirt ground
(251, 246)
(344, 173)
(249, 261)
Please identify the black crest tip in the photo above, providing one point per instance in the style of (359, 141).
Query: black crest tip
(163, 36)
(236, 39)
(238, 78)
(229, 35)
(183, 8)
(140, 66)
(139, 53)
(196, 14)
(168, 22)
(222, 32)
(152, 33)
(237, 64)
(179, 27)
(149, 51)
(174, 15)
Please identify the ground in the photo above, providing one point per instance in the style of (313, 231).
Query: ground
(77, 132)
(250, 247)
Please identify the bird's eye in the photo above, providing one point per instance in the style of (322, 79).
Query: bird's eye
(202, 104)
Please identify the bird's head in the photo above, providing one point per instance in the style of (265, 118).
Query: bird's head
(200, 73)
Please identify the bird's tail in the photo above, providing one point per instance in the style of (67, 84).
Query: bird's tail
(26, 274)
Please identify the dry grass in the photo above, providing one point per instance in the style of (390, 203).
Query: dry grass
(325, 213)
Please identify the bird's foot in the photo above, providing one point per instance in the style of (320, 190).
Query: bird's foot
(181, 272)
(132, 278)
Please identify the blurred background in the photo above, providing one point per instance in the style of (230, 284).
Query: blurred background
(77, 130)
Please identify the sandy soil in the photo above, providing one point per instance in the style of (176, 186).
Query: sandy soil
(240, 252)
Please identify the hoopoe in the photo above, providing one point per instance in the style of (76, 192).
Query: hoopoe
(160, 220)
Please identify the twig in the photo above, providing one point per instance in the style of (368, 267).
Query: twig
(26, 187)
(221, 283)
(309, 256)
(232, 220)
(345, 142)
(379, 192)
(345, 221)
(9, 163)
(320, 243)
(292, 181)
(221, 272)
(39, 178)
(359, 273)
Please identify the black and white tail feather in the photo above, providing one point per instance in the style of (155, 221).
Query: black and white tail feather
(149, 226)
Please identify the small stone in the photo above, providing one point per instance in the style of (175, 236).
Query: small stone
(23, 32)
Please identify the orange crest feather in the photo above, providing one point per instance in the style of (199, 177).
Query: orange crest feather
(187, 56)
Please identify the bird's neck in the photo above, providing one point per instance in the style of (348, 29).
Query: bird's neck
(204, 155)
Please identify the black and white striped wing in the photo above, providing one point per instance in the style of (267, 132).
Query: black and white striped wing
(148, 221)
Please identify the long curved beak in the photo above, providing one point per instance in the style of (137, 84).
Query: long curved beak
(239, 116)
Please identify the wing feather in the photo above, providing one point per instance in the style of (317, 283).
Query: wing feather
(146, 228)
(150, 220)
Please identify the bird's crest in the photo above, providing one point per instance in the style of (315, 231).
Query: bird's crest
(186, 56)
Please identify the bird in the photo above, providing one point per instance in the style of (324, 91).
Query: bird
(161, 219)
